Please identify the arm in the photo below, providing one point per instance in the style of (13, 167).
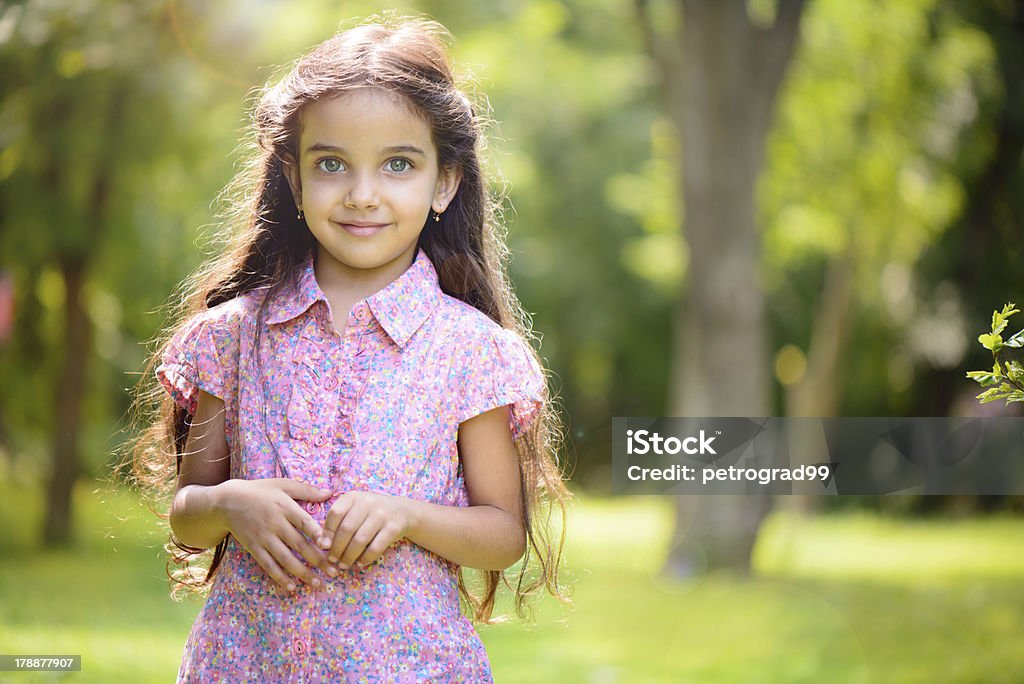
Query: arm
(488, 534)
(261, 514)
(196, 517)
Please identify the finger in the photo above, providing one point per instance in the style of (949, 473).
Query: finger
(376, 548)
(291, 563)
(313, 555)
(360, 540)
(338, 512)
(347, 529)
(271, 567)
(304, 522)
(303, 491)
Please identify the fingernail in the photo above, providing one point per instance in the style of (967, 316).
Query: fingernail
(332, 571)
(333, 559)
(343, 566)
(291, 587)
(325, 543)
(316, 582)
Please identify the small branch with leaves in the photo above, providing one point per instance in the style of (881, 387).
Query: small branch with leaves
(1006, 379)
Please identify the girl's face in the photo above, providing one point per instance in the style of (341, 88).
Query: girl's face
(366, 178)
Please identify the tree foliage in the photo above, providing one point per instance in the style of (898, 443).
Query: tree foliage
(1006, 379)
(895, 154)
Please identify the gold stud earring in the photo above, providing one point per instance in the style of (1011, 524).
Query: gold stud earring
(437, 217)
(299, 215)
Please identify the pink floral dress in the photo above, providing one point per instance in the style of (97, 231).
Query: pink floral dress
(376, 408)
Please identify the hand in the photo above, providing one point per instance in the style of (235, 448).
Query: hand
(361, 525)
(266, 520)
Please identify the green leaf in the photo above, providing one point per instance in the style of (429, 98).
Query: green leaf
(993, 342)
(983, 378)
(1015, 396)
(999, 318)
(1016, 342)
(1015, 372)
(994, 394)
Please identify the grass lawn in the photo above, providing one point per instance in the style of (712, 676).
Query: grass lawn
(839, 598)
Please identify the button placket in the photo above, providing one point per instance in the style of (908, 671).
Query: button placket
(305, 384)
(320, 374)
(355, 358)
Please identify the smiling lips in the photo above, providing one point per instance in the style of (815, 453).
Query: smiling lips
(362, 228)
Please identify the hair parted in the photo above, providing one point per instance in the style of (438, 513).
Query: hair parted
(266, 244)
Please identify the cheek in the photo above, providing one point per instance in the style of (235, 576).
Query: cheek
(415, 199)
(318, 191)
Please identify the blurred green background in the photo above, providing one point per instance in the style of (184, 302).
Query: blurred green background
(856, 165)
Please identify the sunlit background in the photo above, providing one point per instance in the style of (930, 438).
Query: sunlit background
(885, 198)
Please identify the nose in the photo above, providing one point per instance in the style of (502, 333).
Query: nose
(362, 193)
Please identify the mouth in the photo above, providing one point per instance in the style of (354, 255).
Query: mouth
(362, 228)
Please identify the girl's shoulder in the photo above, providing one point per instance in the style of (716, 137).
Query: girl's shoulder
(474, 332)
(493, 366)
(204, 349)
(462, 321)
(224, 324)
(230, 314)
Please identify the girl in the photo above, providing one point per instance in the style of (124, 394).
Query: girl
(352, 412)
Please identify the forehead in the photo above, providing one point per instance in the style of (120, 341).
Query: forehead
(365, 118)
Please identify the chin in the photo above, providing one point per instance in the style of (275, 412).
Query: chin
(368, 262)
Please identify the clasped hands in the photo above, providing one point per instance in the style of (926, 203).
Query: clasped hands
(265, 517)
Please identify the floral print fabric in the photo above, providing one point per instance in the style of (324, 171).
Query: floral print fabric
(373, 407)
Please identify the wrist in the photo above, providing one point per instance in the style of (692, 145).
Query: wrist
(218, 504)
(412, 513)
(198, 517)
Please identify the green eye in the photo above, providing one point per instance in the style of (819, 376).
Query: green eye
(330, 165)
(399, 165)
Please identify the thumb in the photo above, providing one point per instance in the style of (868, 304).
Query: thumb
(303, 491)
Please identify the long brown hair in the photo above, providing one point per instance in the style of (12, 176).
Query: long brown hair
(267, 244)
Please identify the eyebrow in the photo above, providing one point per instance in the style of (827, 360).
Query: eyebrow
(394, 149)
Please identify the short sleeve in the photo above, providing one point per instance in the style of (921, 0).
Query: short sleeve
(203, 355)
(504, 372)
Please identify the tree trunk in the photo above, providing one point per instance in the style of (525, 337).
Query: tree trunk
(75, 257)
(720, 90)
(817, 393)
(68, 404)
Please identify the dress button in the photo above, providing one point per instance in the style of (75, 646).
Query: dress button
(320, 440)
(313, 507)
(330, 383)
(299, 646)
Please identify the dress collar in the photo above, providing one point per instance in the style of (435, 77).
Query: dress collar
(400, 308)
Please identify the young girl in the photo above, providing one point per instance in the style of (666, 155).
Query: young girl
(352, 412)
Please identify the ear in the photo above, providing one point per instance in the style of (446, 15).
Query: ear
(447, 185)
(290, 167)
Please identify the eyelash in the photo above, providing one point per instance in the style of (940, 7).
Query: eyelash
(387, 165)
(408, 164)
(320, 164)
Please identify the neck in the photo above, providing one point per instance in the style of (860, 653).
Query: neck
(354, 284)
